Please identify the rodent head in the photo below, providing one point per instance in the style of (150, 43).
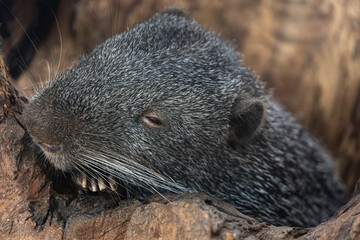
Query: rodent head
(166, 94)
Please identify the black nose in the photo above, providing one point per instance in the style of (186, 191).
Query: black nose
(49, 147)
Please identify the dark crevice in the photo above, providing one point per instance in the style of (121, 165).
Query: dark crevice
(21, 55)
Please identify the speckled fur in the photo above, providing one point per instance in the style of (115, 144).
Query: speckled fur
(171, 65)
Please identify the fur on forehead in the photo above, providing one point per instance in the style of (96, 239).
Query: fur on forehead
(160, 57)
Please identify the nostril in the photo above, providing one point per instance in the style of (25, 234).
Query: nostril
(49, 147)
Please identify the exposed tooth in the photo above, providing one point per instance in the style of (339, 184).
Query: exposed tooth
(112, 183)
(80, 181)
(101, 185)
(93, 186)
(83, 181)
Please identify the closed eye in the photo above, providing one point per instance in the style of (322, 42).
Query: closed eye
(154, 120)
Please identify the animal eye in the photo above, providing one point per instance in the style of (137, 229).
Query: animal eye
(153, 120)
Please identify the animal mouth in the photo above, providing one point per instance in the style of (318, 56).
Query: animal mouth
(95, 184)
(104, 171)
(50, 147)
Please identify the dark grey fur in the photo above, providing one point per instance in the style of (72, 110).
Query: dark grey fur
(222, 133)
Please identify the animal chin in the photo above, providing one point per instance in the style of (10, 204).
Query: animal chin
(57, 160)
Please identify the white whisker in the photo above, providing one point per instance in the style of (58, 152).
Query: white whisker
(129, 171)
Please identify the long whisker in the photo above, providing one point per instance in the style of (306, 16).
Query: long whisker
(130, 171)
(119, 166)
(98, 170)
(18, 21)
(60, 39)
(147, 184)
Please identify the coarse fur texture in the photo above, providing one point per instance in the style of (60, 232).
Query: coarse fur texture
(168, 107)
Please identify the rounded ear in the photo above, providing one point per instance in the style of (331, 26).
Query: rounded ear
(247, 119)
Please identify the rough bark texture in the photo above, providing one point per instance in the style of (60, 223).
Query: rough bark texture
(308, 51)
(21, 181)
